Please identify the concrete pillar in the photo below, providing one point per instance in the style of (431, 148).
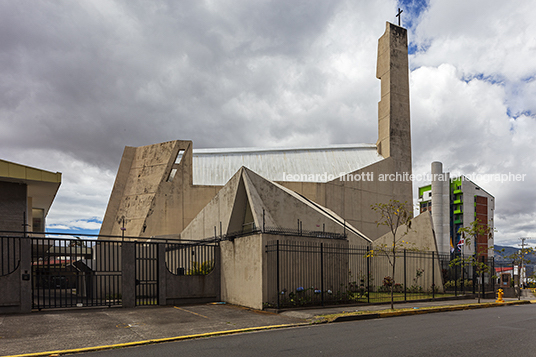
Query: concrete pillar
(441, 207)
(162, 274)
(128, 270)
(25, 275)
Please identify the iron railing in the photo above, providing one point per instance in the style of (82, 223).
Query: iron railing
(75, 272)
(190, 258)
(9, 255)
(315, 273)
(147, 283)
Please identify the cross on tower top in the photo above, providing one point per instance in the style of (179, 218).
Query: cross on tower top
(398, 15)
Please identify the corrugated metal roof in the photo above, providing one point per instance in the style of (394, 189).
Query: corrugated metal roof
(320, 164)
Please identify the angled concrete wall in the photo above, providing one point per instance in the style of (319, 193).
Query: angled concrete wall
(420, 236)
(153, 193)
(352, 199)
(419, 239)
(242, 271)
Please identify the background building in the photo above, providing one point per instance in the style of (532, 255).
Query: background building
(26, 194)
(456, 203)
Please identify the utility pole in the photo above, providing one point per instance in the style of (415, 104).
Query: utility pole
(522, 259)
(523, 239)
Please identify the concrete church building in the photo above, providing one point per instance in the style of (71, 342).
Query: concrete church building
(172, 190)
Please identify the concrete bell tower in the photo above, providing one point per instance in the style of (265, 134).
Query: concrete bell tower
(394, 132)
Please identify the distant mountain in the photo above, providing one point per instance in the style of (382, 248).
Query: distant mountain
(502, 252)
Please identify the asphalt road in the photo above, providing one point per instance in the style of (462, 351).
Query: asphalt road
(499, 331)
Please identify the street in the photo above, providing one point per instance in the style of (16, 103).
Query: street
(481, 332)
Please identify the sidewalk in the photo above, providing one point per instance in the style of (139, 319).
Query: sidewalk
(77, 330)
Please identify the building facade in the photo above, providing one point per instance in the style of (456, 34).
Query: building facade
(26, 194)
(456, 203)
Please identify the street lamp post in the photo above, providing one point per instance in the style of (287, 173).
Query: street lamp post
(123, 229)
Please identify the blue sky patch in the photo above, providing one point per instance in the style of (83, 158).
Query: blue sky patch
(492, 79)
(412, 10)
(75, 228)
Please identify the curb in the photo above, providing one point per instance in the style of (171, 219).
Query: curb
(420, 311)
(157, 340)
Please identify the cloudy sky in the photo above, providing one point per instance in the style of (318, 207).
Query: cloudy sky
(80, 80)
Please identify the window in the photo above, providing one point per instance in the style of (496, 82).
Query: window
(38, 220)
(175, 166)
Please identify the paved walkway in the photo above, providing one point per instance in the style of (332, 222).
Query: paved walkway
(80, 329)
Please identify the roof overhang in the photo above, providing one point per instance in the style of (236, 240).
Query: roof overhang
(42, 185)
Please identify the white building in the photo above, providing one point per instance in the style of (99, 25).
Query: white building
(456, 203)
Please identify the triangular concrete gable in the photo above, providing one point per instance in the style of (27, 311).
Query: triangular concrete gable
(287, 206)
(217, 213)
(271, 205)
(261, 213)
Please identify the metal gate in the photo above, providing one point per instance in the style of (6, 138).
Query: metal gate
(146, 274)
(75, 273)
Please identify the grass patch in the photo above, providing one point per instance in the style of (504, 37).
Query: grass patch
(331, 317)
(398, 297)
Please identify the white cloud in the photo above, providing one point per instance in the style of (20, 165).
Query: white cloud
(472, 83)
(81, 80)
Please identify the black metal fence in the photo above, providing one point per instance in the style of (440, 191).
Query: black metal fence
(9, 255)
(468, 274)
(146, 256)
(75, 272)
(69, 272)
(190, 258)
(314, 273)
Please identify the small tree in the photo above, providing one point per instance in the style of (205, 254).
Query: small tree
(393, 214)
(476, 260)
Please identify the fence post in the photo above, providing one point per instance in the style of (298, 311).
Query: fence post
(492, 274)
(514, 277)
(162, 273)
(405, 282)
(368, 275)
(277, 262)
(463, 275)
(128, 273)
(475, 259)
(433, 276)
(482, 280)
(322, 272)
(455, 279)
(25, 267)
